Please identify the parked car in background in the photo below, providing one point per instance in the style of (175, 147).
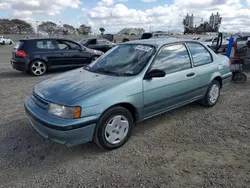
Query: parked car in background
(150, 35)
(240, 42)
(109, 37)
(37, 56)
(100, 44)
(212, 42)
(132, 82)
(5, 40)
(196, 38)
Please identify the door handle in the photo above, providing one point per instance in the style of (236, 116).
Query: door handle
(190, 74)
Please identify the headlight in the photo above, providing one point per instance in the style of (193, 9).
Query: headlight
(64, 111)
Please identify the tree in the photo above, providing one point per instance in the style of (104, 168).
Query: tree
(68, 29)
(21, 26)
(48, 27)
(102, 30)
(6, 26)
(84, 30)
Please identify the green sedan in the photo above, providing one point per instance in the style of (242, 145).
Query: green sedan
(132, 82)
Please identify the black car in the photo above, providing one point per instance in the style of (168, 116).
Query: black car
(98, 44)
(37, 56)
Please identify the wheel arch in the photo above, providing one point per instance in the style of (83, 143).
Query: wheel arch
(219, 79)
(128, 106)
(38, 59)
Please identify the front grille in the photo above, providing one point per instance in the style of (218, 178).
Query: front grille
(40, 102)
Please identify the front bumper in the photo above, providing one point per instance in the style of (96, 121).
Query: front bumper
(63, 131)
(20, 64)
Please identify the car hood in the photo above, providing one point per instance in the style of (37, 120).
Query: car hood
(64, 88)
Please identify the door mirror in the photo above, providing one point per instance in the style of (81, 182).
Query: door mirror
(155, 73)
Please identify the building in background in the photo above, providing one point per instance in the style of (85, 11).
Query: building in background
(188, 21)
(212, 25)
(215, 21)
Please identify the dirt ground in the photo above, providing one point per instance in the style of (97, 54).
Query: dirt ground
(192, 146)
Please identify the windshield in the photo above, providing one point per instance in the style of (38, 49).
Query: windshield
(124, 59)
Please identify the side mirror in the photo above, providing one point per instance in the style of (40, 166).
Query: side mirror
(155, 73)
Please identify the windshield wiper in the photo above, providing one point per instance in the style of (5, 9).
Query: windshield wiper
(106, 71)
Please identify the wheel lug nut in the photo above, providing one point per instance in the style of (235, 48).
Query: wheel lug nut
(117, 132)
(113, 131)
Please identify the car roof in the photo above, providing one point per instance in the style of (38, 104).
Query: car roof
(31, 39)
(159, 42)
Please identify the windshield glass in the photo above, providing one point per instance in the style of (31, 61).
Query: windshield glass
(124, 59)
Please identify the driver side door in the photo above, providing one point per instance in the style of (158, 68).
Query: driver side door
(72, 53)
(176, 88)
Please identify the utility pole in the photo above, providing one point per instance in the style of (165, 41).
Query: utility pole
(37, 35)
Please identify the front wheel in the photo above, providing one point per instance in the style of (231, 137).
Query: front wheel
(10, 43)
(212, 95)
(38, 68)
(114, 128)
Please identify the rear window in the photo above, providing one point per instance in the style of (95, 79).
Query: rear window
(19, 45)
(146, 35)
(200, 54)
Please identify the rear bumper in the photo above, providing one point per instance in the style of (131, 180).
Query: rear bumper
(63, 131)
(21, 64)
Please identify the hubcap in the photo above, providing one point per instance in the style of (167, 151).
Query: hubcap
(38, 68)
(214, 93)
(116, 129)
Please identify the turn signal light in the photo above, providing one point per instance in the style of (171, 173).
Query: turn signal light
(77, 112)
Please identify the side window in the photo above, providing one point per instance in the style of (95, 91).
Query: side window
(68, 45)
(172, 59)
(101, 42)
(61, 45)
(200, 54)
(45, 44)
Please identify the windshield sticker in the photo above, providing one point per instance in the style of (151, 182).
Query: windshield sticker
(143, 48)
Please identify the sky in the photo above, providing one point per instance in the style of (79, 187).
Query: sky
(114, 15)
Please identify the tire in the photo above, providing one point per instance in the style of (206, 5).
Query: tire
(38, 68)
(239, 78)
(3, 43)
(111, 126)
(212, 95)
(10, 43)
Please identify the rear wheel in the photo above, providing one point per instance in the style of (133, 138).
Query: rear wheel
(10, 43)
(3, 42)
(212, 95)
(114, 128)
(239, 78)
(38, 68)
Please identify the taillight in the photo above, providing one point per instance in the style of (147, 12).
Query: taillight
(21, 53)
(235, 45)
